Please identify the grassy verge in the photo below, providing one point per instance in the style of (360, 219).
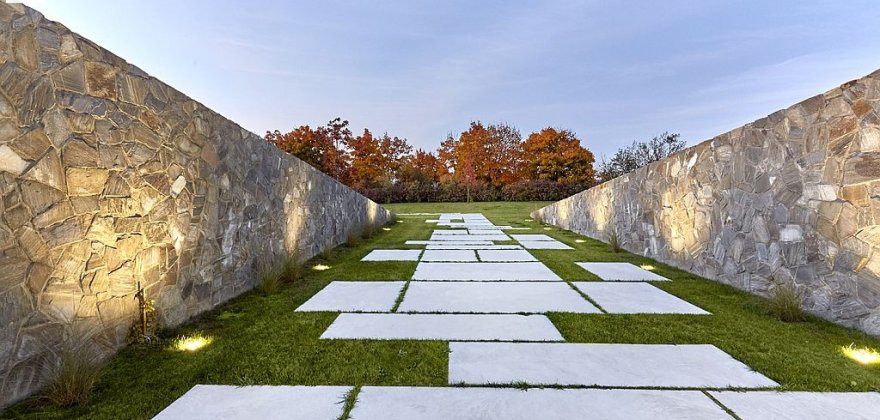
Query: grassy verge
(258, 339)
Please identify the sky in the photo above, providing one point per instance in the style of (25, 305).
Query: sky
(611, 71)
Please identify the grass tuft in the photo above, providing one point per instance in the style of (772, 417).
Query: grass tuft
(270, 280)
(785, 304)
(353, 239)
(613, 239)
(73, 378)
(291, 267)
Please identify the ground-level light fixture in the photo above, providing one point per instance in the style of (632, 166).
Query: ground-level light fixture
(862, 355)
(192, 343)
(320, 267)
(648, 267)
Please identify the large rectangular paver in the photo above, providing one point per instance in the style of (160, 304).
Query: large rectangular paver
(544, 245)
(450, 232)
(635, 298)
(448, 403)
(613, 365)
(617, 271)
(442, 327)
(494, 297)
(466, 242)
(484, 271)
(437, 255)
(457, 246)
(470, 237)
(801, 405)
(354, 296)
(519, 255)
(531, 237)
(259, 402)
(393, 255)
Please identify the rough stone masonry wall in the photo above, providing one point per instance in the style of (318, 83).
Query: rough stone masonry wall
(109, 177)
(793, 198)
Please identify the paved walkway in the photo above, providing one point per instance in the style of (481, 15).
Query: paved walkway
(489, 301)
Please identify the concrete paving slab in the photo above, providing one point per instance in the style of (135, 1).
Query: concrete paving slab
(617, 271)
(466, 242)
(530, 237)
(354, 296)
(450, 232)
(544, 245)
(612, 365)
(470, 238)
(494, 297)
(442, 327)
(228, 402)
(449, 255)
(636, 298)
(393, 255)
(449, 403)
(486, 232)
(496, 255)
(801, 405)
(477, 247)
(484, 271)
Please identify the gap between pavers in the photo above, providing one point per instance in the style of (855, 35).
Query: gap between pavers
(610, 365)
(801, 405)
(484, 271)
(258, 402)
(354, 296)
(398, 326)
(636, 298)
(493, 297)
(618, 271)
(435, 403)
(393, 255)
(435, 255)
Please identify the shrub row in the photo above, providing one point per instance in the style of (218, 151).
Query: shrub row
(453, 191)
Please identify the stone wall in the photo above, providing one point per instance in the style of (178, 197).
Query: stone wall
(793, 198)
(109, 177)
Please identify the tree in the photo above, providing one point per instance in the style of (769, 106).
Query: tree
(309, 145)
(638, 154)
(557, 155)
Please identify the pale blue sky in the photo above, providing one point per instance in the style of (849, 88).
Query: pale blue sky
(612, 71)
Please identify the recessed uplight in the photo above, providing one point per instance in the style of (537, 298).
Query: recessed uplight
(862, 355)
(386, 229)
(648, 267)
(580, 241)
(191, 343)
(320, 267)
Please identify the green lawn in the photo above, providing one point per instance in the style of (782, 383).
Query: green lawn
(260, 340)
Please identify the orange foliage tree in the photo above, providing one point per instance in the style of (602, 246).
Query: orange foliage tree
(557, 155)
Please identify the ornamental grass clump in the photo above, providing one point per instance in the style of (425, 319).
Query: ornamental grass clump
(269, 280)
(291, 267)
(74, 374)
(613, 239)
(785, 304)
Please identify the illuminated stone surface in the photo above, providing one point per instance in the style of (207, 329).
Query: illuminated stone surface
(393, 255)
(449, 403)
(801, 405)
(442, 327)
(498, 297)
(614, 271)
(259, 402)
(615, 365)
(351, 296)
(484, 271)
(635, 298)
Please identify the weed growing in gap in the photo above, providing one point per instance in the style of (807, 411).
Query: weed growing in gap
(785, 304)
(74, 375)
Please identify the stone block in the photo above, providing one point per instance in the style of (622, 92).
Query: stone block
(86, 181)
